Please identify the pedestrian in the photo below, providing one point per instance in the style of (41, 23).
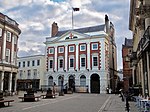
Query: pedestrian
(54, 89)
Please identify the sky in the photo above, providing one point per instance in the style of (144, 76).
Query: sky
(35, 18)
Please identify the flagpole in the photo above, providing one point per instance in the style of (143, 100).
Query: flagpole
(72, 18)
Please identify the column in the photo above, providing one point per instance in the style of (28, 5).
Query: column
(147, 22)
(88, 56)
(15, 83)
(89, 84)
(12, 51)
(77, 57)
(148, 71)
(55, 58)
(4, 47)
(2, 80)
(10, 82)
(66, 57)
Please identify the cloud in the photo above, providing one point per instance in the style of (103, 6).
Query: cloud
(36, 16)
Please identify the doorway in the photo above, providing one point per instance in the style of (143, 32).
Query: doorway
(95, 83)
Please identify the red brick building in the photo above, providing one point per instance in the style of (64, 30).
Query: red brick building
(9, 34)
(127, 72)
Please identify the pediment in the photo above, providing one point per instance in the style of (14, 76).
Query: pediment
(71, 35)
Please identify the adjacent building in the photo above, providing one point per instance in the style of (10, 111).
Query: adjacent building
(127, 71)
(9, 34)
(31, 72)
(139, 24)
(84, 57)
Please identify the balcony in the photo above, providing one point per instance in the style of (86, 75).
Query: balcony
(145, 41)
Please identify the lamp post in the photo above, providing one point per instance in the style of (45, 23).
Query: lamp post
(62, 86)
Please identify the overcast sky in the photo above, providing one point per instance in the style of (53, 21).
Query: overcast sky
(36, 16)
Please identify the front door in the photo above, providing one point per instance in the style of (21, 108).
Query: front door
(95, 83)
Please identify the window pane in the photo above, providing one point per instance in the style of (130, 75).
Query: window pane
(51, 50)
(38, 62)
(95, 61)
(51, 64)
(71, 49)
(94, 46)
(82, 48)
(71, 62)
(60, 63)
(82, 62)
(83, 81)
(33, 63)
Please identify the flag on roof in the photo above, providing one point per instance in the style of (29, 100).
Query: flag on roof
(75, 9)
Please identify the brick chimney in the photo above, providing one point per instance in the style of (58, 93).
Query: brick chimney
(54, 29)
(107, 24)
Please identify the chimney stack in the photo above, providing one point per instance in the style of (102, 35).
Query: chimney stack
(54, 29)
(107, 24)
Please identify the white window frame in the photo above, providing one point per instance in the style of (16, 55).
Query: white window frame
(62, 63)
(52, 63)
(8, 36)
(93, 61)
(15, 39)
(70, 48)
(35, 74)
(0, 32)
(61, 49)
(93, 46)
(81, 62)
(82, 46)
(70, 63)
(8, 55)
(28, 74)
(51, 50)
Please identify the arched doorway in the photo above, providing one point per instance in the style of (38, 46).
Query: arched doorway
(50, 81)
(71, 82)
(95, 83)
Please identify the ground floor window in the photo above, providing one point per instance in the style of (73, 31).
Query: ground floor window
(82, 80)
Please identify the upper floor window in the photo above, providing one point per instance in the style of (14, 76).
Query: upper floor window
(7, 55)
(21, 74)
(29, 74)
(61, 49)
(82, 62)
(35, 73)
(95, 46)
(51, 50)
(8, 36)
(95, 61)
(71, 62)
(33, 63)
(0, 32)
(28, 63)
(51, 64)
(38, 62)
(71, 48)
(19, 64)
(61, 63)
(23, 63)
(15, 39)
(82, 47)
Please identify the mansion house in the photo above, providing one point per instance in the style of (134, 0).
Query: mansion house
(81, 56)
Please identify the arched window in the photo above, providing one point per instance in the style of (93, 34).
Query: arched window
(59, 81)
(83, 81)
(50, 81)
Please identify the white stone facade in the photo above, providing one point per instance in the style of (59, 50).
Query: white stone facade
(31, 71)
(86, 67)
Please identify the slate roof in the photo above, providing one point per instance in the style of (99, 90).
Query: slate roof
(84, 30)
(128, 42)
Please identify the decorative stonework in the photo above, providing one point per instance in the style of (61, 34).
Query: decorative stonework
(140, 22)
(143, 11)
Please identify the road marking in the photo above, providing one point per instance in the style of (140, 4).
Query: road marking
(50, 102)
(104, 105)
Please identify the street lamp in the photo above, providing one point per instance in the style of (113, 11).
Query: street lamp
(62, 86)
